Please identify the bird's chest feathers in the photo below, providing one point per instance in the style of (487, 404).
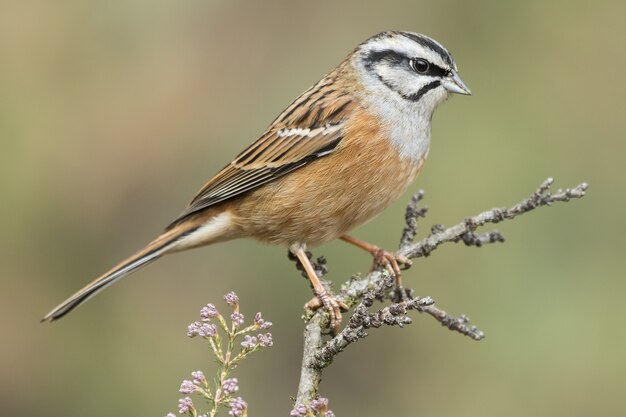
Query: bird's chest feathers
(375, 168)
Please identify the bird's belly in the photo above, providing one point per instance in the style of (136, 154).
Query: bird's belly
(327, 198)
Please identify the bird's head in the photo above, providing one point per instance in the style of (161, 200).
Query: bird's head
(410, 67)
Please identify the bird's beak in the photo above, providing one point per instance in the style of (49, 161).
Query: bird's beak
(455, 84)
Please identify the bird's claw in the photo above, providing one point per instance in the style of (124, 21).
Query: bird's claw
(333, 306)
(391, 262)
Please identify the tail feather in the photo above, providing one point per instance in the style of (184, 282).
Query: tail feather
(153, 251)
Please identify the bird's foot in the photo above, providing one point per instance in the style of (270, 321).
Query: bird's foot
(390, 261)
(333, 306)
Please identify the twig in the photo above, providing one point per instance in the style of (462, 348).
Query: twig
(411, 215)
(457, 324)
(362, 319)
(541, 197)
(310, 377)
(363, 291)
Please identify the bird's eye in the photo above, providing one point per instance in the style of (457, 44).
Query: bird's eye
(419, 65)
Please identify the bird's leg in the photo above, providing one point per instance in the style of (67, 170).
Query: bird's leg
(322, 296)
(389, 260)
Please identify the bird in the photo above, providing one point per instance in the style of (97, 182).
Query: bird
(336, 157)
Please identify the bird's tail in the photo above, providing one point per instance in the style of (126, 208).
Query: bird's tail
(154, 250)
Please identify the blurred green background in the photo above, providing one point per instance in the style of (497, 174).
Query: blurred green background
(112, 114)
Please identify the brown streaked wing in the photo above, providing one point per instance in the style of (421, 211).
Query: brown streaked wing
(284, 148)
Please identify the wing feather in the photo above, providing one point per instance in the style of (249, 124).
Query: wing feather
(293, 140)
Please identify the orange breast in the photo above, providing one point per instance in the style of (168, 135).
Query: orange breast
(329, 197)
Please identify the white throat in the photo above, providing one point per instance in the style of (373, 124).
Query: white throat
(407, 123)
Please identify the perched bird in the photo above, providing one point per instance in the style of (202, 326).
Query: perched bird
(333, 159)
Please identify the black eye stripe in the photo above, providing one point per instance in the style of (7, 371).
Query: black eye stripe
(388, 55)
(437, 71)
(396, 58)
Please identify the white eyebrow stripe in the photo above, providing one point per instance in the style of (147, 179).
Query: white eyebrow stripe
(407, 47)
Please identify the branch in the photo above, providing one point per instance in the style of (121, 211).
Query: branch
(465, 230)
(457, 324)
(362, 292)
(362, 319)
(310, 377)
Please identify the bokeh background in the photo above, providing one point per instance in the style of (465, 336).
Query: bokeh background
(112, 114)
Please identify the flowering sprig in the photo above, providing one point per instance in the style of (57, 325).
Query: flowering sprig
(317, 408)
(229, 351)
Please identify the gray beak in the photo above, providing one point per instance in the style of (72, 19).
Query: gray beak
(455, 84)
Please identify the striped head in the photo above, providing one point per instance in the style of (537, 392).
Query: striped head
(404, 76)
(408, 65)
